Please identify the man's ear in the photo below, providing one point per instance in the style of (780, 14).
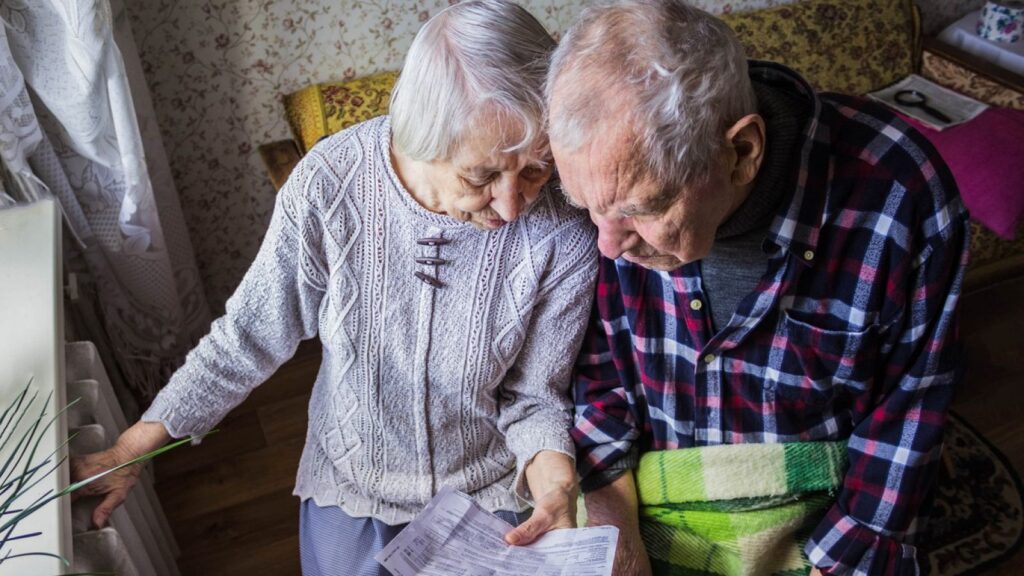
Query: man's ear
(747, 139)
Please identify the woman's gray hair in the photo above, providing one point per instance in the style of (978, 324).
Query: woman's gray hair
(482, 55)
(686, 74)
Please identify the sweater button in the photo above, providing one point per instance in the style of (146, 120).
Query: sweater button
(430, 261)
(696, 304)
(426, 278)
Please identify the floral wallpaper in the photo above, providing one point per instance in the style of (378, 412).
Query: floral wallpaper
(217, 70)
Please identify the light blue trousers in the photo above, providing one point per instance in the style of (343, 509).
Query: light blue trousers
(332, 543)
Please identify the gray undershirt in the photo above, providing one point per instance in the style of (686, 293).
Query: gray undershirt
(737, 261)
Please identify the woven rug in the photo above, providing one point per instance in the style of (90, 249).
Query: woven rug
(978, 513)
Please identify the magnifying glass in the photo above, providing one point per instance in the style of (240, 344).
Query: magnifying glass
(917, 99)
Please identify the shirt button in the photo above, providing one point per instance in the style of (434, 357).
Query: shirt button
(809, 255)
(695, 304)
(709, 358)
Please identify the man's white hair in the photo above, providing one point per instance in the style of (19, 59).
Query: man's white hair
(486, 56)
(677, 74)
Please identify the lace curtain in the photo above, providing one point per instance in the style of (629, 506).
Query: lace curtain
(74, 117)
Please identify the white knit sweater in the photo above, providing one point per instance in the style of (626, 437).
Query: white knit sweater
(421, 386)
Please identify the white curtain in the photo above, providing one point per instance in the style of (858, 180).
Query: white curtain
(76, 122)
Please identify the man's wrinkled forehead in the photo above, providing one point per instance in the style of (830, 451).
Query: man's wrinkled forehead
(582, 102)
(602, 171)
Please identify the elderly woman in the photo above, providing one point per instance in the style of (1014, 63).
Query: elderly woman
(449, 288)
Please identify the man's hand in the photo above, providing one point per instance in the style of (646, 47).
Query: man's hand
(815, 572)
(552, 481)
(616, 505)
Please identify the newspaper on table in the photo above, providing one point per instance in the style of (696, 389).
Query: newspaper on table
(956, 106)
(454, 536)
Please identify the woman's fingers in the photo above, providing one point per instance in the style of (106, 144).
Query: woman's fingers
(553, 511)
(83, 467)
(538, 523)
(105, 508)
(114, 486)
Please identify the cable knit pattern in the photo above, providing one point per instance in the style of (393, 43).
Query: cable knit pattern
(420, 387)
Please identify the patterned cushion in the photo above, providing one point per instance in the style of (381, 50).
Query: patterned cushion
(323, 109)
(938, 69)
(987, 248)
(850, 46)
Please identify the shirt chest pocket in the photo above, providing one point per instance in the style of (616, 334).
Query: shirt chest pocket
(813, 363)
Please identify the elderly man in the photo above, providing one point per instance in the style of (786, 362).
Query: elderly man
(772, 349)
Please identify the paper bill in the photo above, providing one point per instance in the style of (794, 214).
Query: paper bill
(454, 536)
(957, 107)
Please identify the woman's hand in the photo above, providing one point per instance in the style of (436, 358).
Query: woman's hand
(115, 486)
(552, 480)
(555, 509)
(140, 439)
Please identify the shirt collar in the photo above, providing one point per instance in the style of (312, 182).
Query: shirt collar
(797, 225)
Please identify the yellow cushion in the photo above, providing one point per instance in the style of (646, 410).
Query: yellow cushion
(323, 109)
(850, 46)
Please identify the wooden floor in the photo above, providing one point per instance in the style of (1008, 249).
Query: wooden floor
(992, 398)
(229, 500)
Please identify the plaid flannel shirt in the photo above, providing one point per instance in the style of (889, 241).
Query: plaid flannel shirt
(850, 334)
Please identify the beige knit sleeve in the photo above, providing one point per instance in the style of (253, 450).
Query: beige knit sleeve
(535, 402)
(272, 310)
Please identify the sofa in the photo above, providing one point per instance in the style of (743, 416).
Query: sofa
(849, 46)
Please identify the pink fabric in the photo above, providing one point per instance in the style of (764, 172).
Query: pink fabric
(986, 156)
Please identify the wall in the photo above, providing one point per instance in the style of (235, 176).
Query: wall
(937, 14)
(217, 70)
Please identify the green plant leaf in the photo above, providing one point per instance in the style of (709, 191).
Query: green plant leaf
(75, 486)
(20, 471)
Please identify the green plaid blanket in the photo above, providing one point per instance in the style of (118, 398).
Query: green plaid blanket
(740, 509)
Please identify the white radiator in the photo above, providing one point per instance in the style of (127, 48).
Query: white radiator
(145, 537)
(139, 540)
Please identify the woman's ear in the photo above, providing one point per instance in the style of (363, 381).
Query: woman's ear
(747, 139)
